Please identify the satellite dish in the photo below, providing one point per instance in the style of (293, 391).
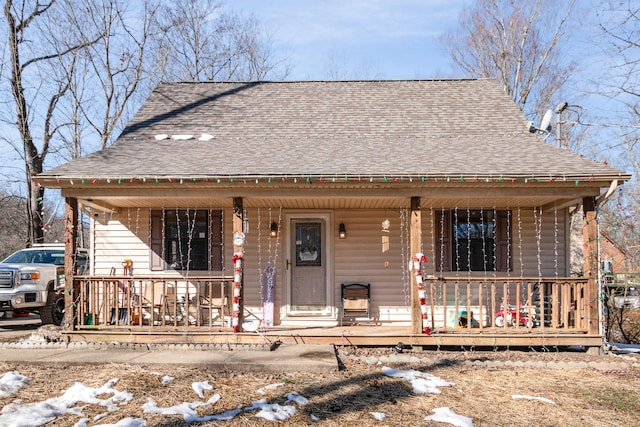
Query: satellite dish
(545, 124)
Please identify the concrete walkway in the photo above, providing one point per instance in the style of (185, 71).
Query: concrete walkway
(285, 358)
(309, 358)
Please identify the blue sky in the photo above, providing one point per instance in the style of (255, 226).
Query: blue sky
(383, 39)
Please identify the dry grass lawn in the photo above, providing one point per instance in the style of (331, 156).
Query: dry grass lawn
(582, 397)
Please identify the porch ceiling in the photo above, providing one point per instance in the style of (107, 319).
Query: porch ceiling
(350, 196)
(309, 203)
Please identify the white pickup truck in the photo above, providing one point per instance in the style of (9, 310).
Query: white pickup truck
(32, 280)
(627, 298)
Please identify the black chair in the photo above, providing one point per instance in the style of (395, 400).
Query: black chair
(356, 300)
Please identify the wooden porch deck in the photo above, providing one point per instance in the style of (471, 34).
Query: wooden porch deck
(348, 335)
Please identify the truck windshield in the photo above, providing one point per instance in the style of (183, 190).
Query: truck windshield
(36, 257)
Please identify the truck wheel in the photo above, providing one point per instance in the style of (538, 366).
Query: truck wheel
(53, 312)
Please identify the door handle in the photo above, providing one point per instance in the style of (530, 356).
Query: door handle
(288, 263)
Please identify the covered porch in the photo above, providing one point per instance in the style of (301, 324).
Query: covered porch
(514, 291)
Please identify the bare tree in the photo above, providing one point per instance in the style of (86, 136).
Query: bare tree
(53, 75)
(202, 42)
(620, 23)
(337, 67)
(116, 66)
(30, 47)
(519, 43)
(620, 26)
(12, 223)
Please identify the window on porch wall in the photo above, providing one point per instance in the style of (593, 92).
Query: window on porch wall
(473, 240)
(186, 240)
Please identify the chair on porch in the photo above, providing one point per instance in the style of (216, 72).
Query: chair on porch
(356, 300)
(174, 309)
(153, 301)
(212, 300)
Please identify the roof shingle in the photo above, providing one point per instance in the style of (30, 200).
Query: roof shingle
(402, 127)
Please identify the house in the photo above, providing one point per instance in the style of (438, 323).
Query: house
(226, 208)
(621, 284)
(613, 258)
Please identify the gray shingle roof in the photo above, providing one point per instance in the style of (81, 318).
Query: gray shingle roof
(369, 128)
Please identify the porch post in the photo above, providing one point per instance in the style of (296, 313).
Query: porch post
(591, 263)
(415, 246)
(238, 229)
(70, 236)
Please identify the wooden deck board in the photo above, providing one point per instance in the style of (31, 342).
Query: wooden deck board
(356, 335)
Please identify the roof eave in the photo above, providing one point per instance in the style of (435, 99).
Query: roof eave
(62, 181)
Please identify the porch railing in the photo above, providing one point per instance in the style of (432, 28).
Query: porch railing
(505, 304)
(110, 301)
(454, 305)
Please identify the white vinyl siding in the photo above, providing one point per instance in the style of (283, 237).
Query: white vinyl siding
(358, 258)
(126, 234)
(119, 236)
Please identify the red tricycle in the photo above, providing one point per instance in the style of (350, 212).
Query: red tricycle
(521, 313)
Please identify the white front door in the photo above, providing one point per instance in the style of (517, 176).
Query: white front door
(308, 260)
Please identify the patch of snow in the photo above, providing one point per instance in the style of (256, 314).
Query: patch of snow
(264, 389)
(126, 422)
(40, 413)
(186, 409)
(225, 416)
(34, 338)
(523, 396)
(272, 411)
(11, 382)
(446, 415)
(422, 382)
(297, 398)
(199, 388)
(380, 416)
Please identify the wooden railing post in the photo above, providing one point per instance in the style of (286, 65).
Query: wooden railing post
(238, 250)
(591, 261)
(415, 245)
(70, 235)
